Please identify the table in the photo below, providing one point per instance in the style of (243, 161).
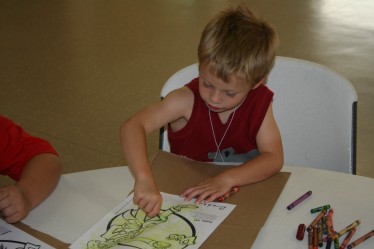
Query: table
(350, 196)
(82, 198)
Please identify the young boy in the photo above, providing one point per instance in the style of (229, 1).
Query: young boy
(34, 165)
(225, 113)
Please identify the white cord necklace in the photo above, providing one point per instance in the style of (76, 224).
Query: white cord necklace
(224, 134)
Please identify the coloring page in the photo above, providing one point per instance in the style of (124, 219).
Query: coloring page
(13, 238)
(180, 224)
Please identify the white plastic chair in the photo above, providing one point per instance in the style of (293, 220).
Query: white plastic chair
(315, 109)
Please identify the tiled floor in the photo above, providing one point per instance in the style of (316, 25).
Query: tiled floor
(72, 71)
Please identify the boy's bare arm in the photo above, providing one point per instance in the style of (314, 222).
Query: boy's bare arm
(38, 180)
(136, 128)
(270, 159)
(134, 145)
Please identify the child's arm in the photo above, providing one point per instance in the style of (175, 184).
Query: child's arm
(266, 164)
(134, 146)
(133, 140)
(39, 178)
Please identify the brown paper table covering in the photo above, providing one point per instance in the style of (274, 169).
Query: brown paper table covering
(253, 202)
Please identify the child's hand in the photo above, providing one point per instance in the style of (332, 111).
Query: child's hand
(148, 198)
(208, 190)
(14, 205)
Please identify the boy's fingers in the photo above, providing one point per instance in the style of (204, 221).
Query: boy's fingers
(8, 212)
(212, 198)
(188, 191)
(203, 197)
(191, 195)
(13, 218)
(155, 210)
(3, 194)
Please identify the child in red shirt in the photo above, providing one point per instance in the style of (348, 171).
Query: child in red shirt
(34, 165)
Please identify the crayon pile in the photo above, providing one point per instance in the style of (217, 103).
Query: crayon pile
(321, 231)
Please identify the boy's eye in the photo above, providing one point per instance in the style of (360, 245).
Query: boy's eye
(206, 84)
(230, 94)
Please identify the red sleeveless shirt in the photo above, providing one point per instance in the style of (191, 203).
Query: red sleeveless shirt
(196, 140)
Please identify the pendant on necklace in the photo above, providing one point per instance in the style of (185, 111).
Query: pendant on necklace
(218, 145)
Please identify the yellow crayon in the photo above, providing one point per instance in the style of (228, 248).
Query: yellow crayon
(346, 229)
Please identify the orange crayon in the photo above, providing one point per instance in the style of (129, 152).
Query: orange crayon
(315, 238)
(316, 220)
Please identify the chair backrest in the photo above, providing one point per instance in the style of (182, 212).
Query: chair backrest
(315, 109)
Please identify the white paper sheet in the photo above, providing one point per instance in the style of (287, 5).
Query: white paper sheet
(180, 225)
(79, 201)
(13, 238)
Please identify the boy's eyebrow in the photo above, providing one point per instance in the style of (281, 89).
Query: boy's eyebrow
(225, 90)
(206, 81)
(231, 91)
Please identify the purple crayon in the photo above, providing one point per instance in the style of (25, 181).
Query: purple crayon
(300, 199)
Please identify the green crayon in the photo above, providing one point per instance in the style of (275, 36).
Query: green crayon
(162, 218)
(319, 209)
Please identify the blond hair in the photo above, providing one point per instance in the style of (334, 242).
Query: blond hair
(236, 42)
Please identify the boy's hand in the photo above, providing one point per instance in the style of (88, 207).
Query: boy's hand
(208, 190)
(14, 205)
(148, 198)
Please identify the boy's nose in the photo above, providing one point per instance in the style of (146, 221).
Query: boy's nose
(215, 97)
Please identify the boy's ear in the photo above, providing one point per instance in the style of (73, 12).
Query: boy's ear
(259, 83)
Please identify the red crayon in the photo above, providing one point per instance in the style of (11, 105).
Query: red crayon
(347, 238)
(300, 232)
(228, 194)
(330, 225)
(310, 239)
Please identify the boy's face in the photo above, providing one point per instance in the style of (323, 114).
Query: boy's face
(220, 96)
